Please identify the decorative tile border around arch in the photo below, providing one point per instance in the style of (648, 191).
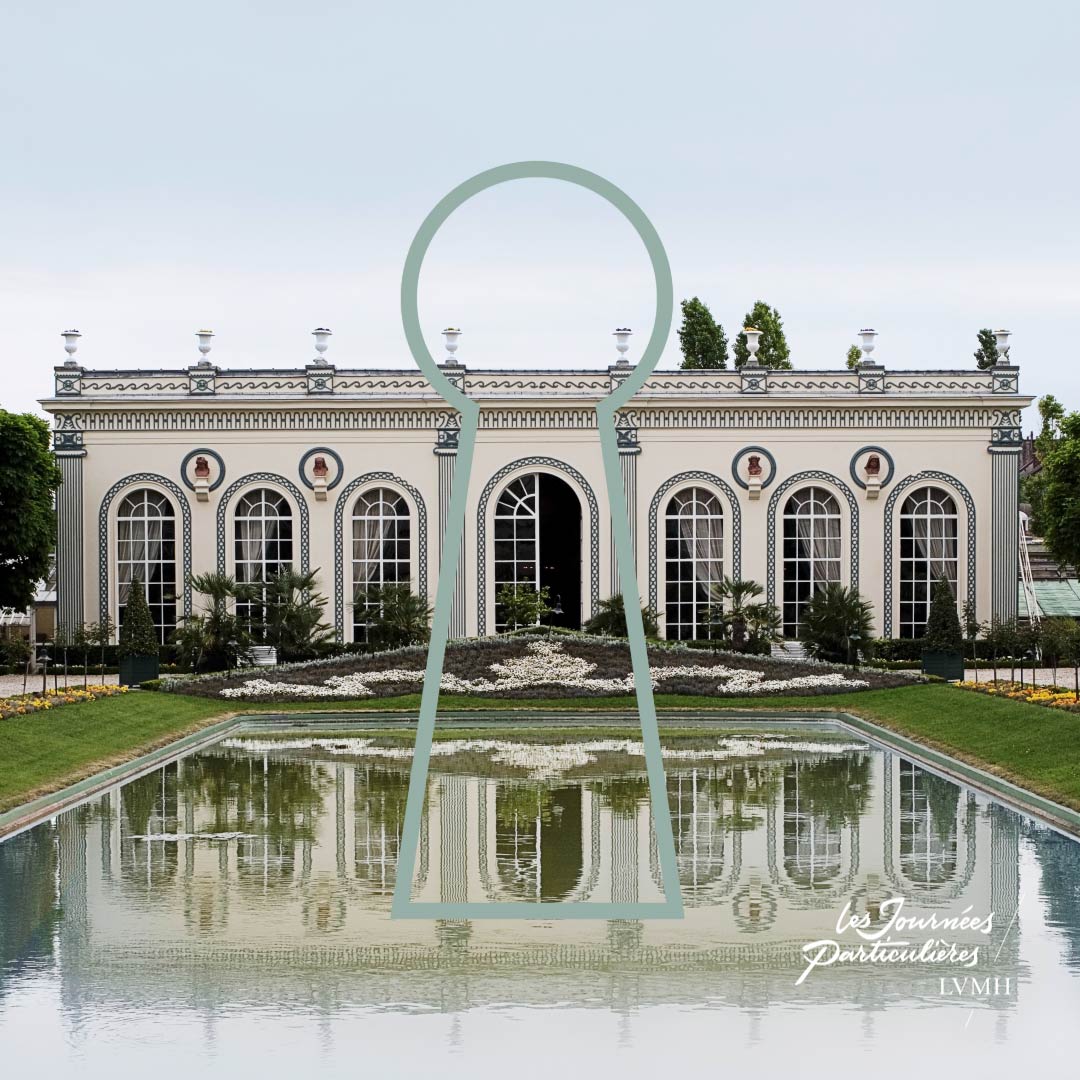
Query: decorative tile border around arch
(808, 477)
(103, 534)
(688, 479)
(481, 531)
(926, 476)
(339, 539)
(264, 478)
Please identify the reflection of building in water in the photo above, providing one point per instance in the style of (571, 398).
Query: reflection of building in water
(1059, 861)
(260, 866)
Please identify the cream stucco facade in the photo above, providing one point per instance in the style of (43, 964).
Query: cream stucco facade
(122, 431)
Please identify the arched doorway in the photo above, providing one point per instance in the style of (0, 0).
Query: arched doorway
(537, 533)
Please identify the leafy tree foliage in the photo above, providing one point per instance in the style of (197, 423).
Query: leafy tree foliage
(943, 633)
(742, 622)
(701, 338)
(610, 619)
(294, 616)
(854, 357)
(773, 351)
(138, 635)
(1058, 509)
(523, 605)
(986, 355)
(28, 477)
(397, 616)
(838, 624)
(1033, 487)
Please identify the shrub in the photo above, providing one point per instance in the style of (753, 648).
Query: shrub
(150, 684)
(837, 624)
(611, 619)
(522, 605)
(138, 635)
(396, 616)
(943, 633)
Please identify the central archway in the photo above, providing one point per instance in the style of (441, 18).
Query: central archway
(537, 544)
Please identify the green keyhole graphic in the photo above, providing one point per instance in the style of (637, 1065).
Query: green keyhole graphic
(403, 906)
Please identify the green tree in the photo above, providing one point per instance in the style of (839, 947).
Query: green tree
(986, 355)
(773, 351)
(838, 624)
(943, 633)
(1056, 640)
(1033, 487)
(854, 357)
(212, 639)
(294, 616)
(610, 619)
(972, 629)
(701, 338)
(138, 635)
(28, 477)
(1059, 505)
(745, 623)
(99, 635)
(395, 616)
(522, 605)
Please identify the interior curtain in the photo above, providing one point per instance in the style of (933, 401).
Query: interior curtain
(250, 536)
(124, 552)
(703, 540)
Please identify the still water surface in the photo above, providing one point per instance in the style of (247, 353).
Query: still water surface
(229, 915)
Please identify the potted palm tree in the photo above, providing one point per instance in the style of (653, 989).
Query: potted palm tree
(139, 646)
(837, 625)
(943, 642)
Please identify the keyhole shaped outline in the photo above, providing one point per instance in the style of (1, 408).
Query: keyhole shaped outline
(403, 906)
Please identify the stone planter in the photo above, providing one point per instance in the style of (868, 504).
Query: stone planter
(946, 665)
(137, 669)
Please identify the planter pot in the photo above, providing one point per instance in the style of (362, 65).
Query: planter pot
(946, 665)
(137, 669)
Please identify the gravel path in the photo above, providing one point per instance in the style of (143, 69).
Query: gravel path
(1043, 676)
(10, 685)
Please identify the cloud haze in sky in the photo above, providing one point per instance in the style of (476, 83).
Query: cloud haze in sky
(260, 168)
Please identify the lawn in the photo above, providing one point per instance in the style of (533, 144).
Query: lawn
(1035, 747)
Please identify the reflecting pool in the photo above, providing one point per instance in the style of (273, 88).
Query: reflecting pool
(229, 913)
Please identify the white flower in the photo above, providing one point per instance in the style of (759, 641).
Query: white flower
(545, 664)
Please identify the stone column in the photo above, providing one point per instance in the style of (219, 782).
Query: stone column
(1004, 560)
(446, 448)
(626, 437)
(70, 556)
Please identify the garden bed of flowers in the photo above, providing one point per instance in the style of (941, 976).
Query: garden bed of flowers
(515, 666)
(29, 704)
(1054, 697)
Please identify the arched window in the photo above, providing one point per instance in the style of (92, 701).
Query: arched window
(516, 536)
(811, 550)
(381, 548)
(263, 545)
(694, 532)
(146, 549)
(928, 549)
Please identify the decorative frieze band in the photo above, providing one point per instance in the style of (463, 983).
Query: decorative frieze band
(706, 417)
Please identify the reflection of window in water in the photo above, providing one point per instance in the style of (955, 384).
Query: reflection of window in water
(698, 823)
(812, 833)
(928, 829)
(379, 814)
(538, 840)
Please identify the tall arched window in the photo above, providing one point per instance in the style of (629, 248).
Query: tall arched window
(381, 549)
(146, 549)
(694, 532)
(811, 550)
(263, 545)
(516, 536)
(928, 549)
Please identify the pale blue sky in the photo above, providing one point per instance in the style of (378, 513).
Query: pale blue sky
(260, 168)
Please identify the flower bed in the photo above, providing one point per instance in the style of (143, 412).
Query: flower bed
(523, 667)
(29, 704)
(1054, 697)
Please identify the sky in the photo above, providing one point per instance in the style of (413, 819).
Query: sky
(260, 169)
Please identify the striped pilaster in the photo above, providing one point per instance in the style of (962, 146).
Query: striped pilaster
(69, 543)
(447, 461)
(1005, 530)
(628, 467)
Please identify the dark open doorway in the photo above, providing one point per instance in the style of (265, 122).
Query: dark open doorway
(560, 550)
